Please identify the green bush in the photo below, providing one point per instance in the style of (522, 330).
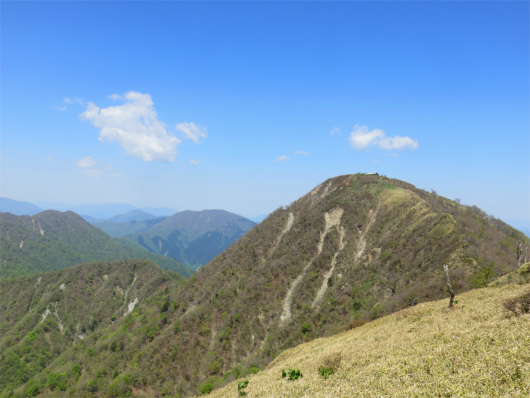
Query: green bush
(240, 386)
(31, 390)
(306, 327)
(206, 388)
(329, 365)
(292, 374)
(57, 381)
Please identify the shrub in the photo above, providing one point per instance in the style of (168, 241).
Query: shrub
(329, 365)
(518, 305)
(57, 381)
(292, 374)
(32, 390)
(306, 327)
(354, 323)
(214, 367)
(240, 386)
(206, 388)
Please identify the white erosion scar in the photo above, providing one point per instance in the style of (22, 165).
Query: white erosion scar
(331, 219)
(287, 228)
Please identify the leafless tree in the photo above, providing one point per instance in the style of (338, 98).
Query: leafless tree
(449, 286)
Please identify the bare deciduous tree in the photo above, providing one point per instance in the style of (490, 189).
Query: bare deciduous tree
(449, 286)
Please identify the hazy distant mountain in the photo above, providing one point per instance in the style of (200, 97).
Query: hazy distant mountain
(98, 211)
(52, 240)
(193, 237)
(105, 211)
(258, 219)
(89, 219)
(17, 207)
(118, 229)
(159, 211)
(133, 215)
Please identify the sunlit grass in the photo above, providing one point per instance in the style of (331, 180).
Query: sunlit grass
(477, 349)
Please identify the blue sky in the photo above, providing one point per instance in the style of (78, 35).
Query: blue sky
(246, 106)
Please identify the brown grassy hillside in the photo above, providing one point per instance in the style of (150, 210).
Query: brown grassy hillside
(477, 349)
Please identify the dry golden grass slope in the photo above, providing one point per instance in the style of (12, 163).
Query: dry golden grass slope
(478, 349)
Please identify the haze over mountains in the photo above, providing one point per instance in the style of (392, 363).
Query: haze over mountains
(355, 248)
(51, 240)
(191, 238)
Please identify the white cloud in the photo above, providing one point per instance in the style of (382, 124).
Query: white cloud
(335, 130)
(117, 175)
(398, 143)
(168, 176)
(193, 161)
(52, 160)
(67, 101)
(135, 126)
(281, 158)
(191, 131)
(87, 164)
(61, 108)
(301, 153)
(91, 173)
(87, 161)
(362, 138)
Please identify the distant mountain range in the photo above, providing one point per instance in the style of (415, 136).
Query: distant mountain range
(52, 240)
(18, 208)
(192, 238)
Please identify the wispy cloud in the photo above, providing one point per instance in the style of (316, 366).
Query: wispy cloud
(362, 138)
(281, 158)
(117, 175)
(52, 160)
(135, 126)
(191, 131)
(68, 101)
(87, 164)
(304, 153)
(95, 173)
(87, 161)
(193, 161)
(336, 131)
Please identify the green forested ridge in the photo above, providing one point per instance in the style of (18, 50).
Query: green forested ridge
(190, 237)
(355, 248)
(53, 240)
(119, 229)
(71, 312)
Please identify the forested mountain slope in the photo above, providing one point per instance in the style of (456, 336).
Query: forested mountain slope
(53, 240)
(477, 349)
(192, 237)
(355, 248)
(70, 312)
